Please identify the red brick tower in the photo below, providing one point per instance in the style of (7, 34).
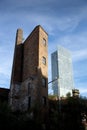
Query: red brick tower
(29, 80)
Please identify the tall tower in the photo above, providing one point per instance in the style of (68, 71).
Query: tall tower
(17, 62)
(29, 80)
(62, 71)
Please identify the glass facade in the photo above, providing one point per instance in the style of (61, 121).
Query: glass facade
(61, 63)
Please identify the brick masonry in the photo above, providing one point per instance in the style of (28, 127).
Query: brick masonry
(29, 73)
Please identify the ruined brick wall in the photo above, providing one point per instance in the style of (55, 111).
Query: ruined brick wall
(16, 76)
(31, 54)
(18, 58)
(30, 70)
(43, 52)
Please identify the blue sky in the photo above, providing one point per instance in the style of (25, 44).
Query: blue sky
(65, 21)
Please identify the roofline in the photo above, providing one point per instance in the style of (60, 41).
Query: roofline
(39, 26)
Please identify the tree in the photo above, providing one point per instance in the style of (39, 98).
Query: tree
(68, 94)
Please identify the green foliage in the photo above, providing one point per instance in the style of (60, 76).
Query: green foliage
(68, 94)
(15, 120)
(52, 96)
(69, 118)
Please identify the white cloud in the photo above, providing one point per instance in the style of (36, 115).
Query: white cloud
(80, 55)
(45, 15)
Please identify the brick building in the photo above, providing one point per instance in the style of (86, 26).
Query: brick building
(29, 79)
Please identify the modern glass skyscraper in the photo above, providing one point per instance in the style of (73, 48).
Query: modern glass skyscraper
(62, 72)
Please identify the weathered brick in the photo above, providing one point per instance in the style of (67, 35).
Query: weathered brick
(28, 69)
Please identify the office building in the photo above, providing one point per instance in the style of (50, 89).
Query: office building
(62, 72)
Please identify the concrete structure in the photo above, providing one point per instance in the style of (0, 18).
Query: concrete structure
(62, 72)
(75, 92)
(29, 79)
